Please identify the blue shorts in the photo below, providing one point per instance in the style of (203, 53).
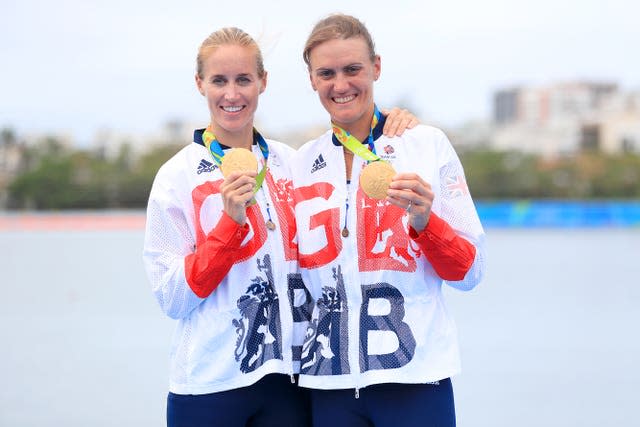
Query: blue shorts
(386, 405)
(271, 402)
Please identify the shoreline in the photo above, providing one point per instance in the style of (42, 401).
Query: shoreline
(72, 221)
(493, 215)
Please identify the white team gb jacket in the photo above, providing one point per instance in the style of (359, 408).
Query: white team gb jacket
(379, 313)
(249, 325)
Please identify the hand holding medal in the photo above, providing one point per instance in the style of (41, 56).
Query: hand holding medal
(237, 193)
(238, 166)
(413, 194)
(379, 180)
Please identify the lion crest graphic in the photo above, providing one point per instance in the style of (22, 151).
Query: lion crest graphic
(258, 328)
(323, 353)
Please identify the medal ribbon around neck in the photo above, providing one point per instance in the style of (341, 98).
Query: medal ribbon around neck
(217, 153)
(352, 144)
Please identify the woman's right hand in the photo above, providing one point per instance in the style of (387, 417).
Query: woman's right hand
(237, 192)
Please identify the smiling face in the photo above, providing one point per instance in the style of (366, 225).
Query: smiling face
(342, 72)
(230, 81)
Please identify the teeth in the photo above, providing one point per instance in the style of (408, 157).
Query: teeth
(231, 109)
(344, 99)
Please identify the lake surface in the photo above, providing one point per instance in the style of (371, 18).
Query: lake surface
(549, 339)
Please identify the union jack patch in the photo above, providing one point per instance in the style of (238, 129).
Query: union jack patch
(456, 186)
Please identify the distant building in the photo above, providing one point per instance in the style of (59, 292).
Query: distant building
(505, 106)
(539, 105)
(565, 118)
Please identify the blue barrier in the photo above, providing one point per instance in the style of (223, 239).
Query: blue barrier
(565, 214)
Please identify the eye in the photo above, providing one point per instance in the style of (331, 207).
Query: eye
(243, 80)
(352, 70)
(218, 80)
(325, 74)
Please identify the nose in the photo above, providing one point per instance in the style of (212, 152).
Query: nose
(341, 83)
(232, 92)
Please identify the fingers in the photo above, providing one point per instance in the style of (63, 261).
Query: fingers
(235, 175)
(238, 180)
(418, 208)
(410, 182)
(413, 122)
(398, 120)
(394, 122)
(410, 192)
(406, 120)
(402, 198)
(404, 125)
(237, 191)
(238, 187)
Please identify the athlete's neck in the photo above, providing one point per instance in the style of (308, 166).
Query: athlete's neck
(239, 139)
(361, 128)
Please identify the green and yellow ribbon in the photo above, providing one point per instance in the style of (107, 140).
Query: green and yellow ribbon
(367, 152)
(217, 153)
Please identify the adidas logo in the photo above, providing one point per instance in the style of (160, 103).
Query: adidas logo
(205, 166)
(318, 164)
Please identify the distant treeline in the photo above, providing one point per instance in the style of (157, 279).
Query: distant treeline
(493, 175)
(52, 177)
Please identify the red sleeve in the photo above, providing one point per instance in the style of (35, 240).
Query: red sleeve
(210, 263)
(450, 255)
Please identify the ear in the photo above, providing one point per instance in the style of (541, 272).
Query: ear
(377, 68)
(264, 82)
(199, 84)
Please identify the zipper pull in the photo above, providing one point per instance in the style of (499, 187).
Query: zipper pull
(357, 393)
(293, 379)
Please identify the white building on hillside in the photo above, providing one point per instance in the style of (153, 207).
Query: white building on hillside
(567, 117)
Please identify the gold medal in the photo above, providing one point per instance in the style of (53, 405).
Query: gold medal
(270, 225)
(238, 159)
(345, 232)
(375, 179)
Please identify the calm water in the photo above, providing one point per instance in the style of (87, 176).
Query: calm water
(549, 339)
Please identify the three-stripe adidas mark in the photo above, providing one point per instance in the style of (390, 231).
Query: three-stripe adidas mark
(318, 163)
(205, 166)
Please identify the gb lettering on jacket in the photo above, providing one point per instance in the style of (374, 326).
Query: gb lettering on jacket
(381, 244)
(207, 204)
(381, 230)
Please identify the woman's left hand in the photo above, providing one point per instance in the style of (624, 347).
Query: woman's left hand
(411, 193)
(398, 120)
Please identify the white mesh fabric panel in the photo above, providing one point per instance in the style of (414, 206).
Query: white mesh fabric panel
(168, 240)
(457, 209)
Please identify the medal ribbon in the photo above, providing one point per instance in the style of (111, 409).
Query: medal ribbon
(367, 152)
(217, 153)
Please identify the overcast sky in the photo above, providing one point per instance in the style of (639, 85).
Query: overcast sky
(77, 66)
